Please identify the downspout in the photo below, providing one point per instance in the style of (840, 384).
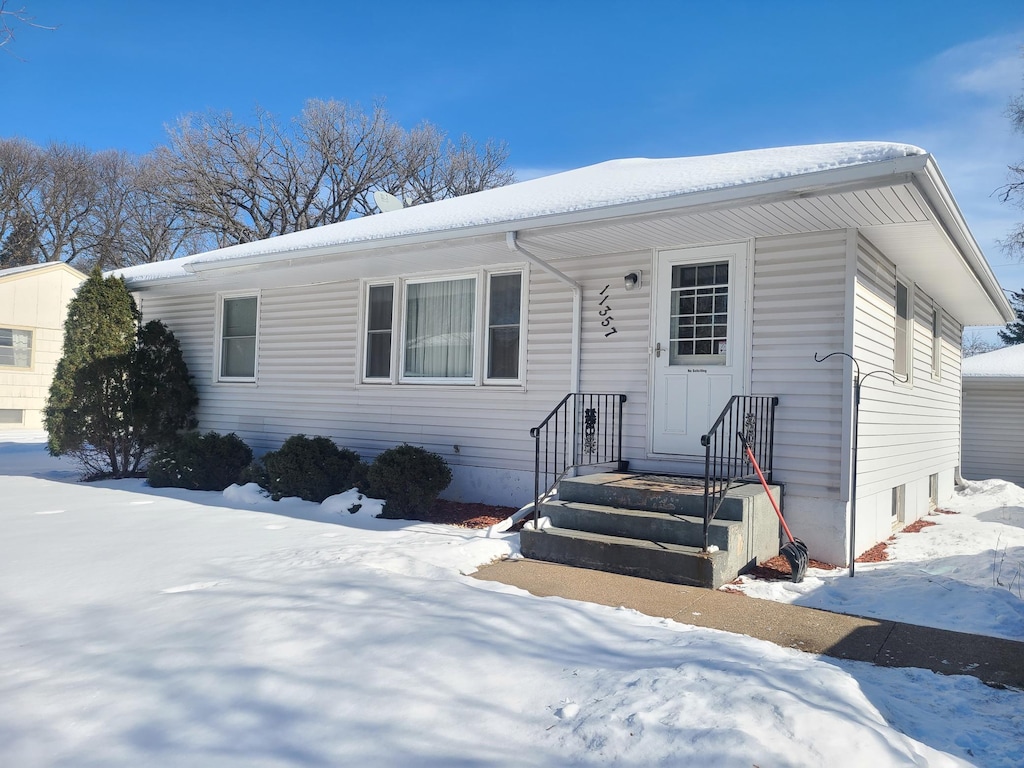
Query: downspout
(577, 305)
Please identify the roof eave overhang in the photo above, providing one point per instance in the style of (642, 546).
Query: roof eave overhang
(931, 184)
(920, 170)
(863, 176)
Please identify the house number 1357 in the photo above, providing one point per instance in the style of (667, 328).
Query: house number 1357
(604, 311)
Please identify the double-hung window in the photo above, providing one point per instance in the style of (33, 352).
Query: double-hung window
(462, 329)
(15, 348)
(504, 322)
(238, 330)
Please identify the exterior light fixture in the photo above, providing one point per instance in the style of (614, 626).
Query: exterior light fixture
(633, 280)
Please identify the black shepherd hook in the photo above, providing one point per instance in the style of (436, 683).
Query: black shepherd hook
(858, 380)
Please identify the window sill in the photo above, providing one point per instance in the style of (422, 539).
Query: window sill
(436, 386)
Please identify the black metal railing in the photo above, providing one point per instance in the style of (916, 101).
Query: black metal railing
(583, 430)
(725, 461)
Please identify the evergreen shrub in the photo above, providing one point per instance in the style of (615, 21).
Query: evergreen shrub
(199, 462)
(409, 479)
(119, 392)
(311, 468)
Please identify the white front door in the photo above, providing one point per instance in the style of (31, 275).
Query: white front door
(699, 340)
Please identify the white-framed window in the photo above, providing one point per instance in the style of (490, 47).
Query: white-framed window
(504, 326)
(380, 324)
(936, 343)
(899, 507)
(903, 345)
(237, 337)
(15, 348)
(451, 329)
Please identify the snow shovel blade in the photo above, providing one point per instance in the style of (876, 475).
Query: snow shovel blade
(795, 553)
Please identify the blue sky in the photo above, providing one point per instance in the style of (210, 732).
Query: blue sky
(565, 83)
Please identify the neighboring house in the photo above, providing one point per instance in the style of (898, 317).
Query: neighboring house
(993, 415)
(33, 304)
(460, 324)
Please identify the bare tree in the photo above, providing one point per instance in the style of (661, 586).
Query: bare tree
(154, 229)
(243, 182)
(68, 198)
(221, 181)
(21, 173)
(10, 18)
(1013, 191)
(974, 344)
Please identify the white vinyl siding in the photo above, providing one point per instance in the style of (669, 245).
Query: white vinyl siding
(33, 304)
(310, 368)
(993, 414)
(615, 362)
(907, 432)
(798, 299)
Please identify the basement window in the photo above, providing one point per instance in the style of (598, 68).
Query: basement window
(12, 416)
(899, 507)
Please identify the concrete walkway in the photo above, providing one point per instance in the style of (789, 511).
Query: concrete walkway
(884, 643)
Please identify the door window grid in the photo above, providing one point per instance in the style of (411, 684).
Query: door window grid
(699, 318)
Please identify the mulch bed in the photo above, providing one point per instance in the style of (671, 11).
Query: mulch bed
(466, 515)
(777, 568)
(879, 552)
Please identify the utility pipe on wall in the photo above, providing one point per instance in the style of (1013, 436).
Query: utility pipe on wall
(577, 305)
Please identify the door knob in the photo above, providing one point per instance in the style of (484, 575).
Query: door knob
(657, 349)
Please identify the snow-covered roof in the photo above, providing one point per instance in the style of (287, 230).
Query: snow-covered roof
(34, 267)
(605, 185)
(1007, 362)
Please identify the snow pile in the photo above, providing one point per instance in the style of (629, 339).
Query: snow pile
(166, 627)
(1008, 361)
(612, 183)
(965, 573)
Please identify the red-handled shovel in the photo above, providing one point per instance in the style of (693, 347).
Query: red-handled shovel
(795, 551)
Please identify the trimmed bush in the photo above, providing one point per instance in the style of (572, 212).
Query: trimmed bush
(209, 462)
(409, 479)
(311, 468)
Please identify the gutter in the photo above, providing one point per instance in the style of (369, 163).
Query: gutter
(577, 305)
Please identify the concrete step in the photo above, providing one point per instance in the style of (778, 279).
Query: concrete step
(659, 493)
(669, 527)
(659, 561)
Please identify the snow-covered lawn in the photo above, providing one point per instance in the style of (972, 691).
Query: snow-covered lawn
(965, 573)
(162, 627)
